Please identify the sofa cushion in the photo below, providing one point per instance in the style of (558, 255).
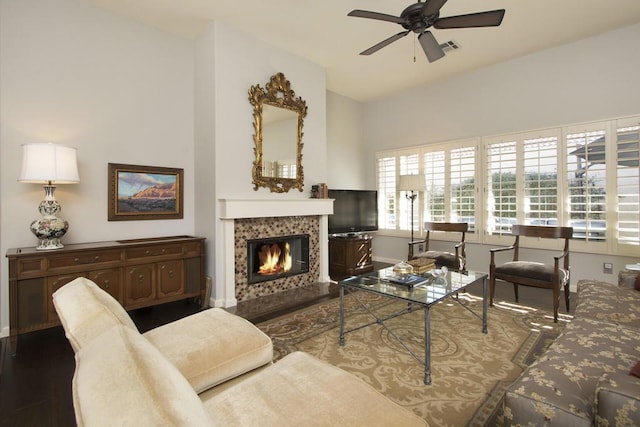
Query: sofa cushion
(212, 346)
(300, 390)
(121, 379)
(86, 311)
(608, 302)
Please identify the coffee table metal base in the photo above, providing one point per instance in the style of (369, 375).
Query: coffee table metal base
(411, 307)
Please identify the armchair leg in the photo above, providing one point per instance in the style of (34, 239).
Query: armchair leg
(515, 290)
(556, 303)
(492, 288)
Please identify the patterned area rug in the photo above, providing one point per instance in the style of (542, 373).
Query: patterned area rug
(470, 370)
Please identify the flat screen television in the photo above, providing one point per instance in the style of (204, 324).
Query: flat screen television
(354, 211)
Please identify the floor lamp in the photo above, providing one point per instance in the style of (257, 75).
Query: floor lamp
(412, 184)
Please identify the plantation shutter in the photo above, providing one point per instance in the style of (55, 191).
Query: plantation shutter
(434, 171)
(501, 187)
(462, 186)
(409, 165)
(540, 180)
(587, 182)
(386, 185)
(628, 181)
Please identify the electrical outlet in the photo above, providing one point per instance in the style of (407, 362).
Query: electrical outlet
(421, 247)
(607, 268)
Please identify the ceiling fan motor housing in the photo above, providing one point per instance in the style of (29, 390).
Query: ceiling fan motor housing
(415, 20)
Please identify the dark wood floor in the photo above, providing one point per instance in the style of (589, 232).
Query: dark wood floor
(35, 385)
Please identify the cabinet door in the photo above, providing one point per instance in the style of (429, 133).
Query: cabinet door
(170, 278)
(53, 284)
(139, 285)
(108, 280)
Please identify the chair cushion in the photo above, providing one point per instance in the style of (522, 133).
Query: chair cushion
(212, 346)
(121, 379)
(300, 390)
(531, 270)
(441, 258)
(86, 311)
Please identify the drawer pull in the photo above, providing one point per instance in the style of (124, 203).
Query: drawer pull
(150, 253)
(80, 261)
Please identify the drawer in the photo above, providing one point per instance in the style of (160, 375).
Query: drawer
(192, 249)
(153, 251)
(30, 266)
(79, 259)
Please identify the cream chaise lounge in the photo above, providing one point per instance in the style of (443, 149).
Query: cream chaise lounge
(208, 348)
(123, 377)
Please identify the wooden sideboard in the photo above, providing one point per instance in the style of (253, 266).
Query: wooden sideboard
(349, 256)
(137, 273)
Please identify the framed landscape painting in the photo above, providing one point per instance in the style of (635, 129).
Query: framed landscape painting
(145, 192)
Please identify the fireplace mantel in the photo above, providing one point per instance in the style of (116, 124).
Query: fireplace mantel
(231, 209)
(265, 208)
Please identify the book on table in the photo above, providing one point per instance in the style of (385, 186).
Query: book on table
(409, 280)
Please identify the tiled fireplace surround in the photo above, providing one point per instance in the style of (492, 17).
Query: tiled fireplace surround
(251, 219)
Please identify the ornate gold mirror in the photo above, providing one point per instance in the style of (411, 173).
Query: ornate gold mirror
(278, 117)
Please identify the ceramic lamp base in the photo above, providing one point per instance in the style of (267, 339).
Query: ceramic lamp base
(49, 231)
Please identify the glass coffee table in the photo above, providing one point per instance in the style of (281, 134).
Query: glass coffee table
(422, 296)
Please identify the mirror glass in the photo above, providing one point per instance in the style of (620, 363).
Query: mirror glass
(278, 118)
(279, 142)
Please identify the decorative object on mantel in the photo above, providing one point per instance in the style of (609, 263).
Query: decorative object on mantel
(319, 191)
(49, 164)
(412, 184)
(278, 118)
(145, 192)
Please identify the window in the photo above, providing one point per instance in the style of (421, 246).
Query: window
(586, 176)
(450, 179)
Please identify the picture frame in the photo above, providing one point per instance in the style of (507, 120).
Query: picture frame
(145, 192)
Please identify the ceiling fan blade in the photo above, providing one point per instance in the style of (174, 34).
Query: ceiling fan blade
(430, 46)
(384, 43)
(491, 18)
(375, 15)
(432, 7)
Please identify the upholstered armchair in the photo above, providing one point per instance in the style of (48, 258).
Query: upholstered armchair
(528, 273)
(456, 259)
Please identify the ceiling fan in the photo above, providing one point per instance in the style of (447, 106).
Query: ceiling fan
(422, 15)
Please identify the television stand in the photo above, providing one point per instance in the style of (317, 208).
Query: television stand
(349, 255)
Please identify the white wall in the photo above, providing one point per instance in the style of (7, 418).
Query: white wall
(596, 78)
(116, 90)
(349, 161)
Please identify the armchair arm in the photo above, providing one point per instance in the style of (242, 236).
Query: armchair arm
(565, 255)
(493, 251)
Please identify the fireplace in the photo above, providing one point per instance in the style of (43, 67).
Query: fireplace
(276, 257)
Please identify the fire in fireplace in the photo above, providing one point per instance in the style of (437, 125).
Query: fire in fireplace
(276, 257)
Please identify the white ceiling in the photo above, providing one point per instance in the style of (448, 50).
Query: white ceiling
(322, 32)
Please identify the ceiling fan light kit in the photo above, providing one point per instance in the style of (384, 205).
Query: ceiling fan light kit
(421, 16)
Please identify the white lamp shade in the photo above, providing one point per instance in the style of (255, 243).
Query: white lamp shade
(46, 162)
(411, 183)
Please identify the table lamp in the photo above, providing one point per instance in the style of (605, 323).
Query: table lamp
(49, 164)
(412, 184)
